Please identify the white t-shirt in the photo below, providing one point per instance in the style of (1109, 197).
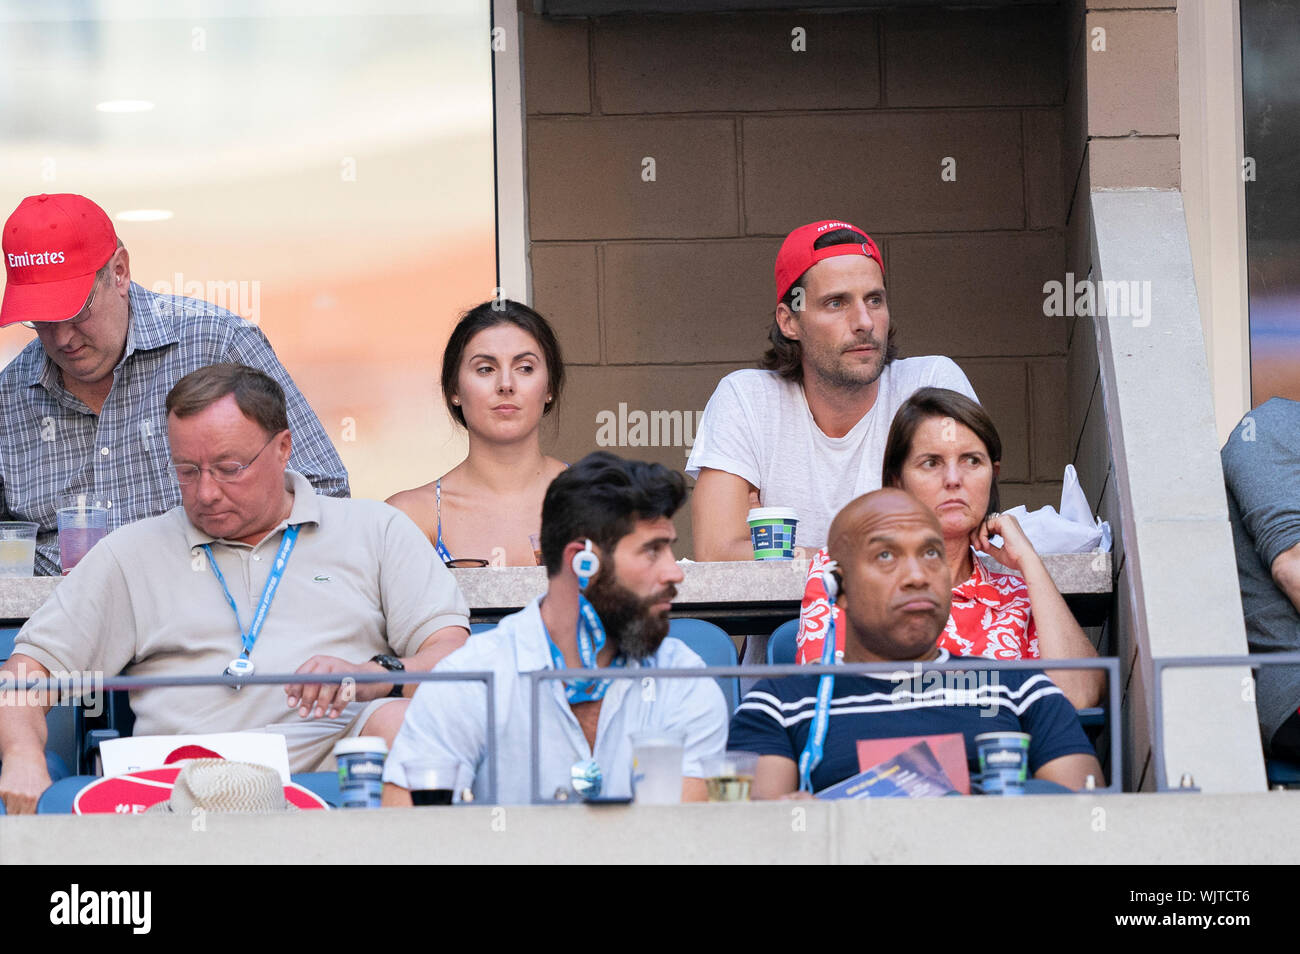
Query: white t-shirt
(449, 719)
(758, 426)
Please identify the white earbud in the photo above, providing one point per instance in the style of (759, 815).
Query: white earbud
(586, 564)
(830, 581)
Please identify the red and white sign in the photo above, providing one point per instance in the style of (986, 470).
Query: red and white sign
(137, 752)
(132, 794)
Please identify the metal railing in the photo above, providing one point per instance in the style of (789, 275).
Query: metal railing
(56, 685)
(1253, 661)
(962, 664)
(912, 669)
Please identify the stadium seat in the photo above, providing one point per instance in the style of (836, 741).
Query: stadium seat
(1282, 772)
(481, 627)
(781, 645)
(324, 784)
(712, 644)
(57, 799)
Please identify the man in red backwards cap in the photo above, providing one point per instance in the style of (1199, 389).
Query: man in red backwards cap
(808, 430)
(82, 407)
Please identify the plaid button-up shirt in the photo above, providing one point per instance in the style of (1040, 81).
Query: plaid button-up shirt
(53, 446)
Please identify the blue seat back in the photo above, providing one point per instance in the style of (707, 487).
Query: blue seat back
(7, 638)
(57, 799)
(324, 784)
(1282, 772)
(781, 646)
(712, 644)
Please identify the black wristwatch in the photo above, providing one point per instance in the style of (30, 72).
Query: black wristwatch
(392, 664)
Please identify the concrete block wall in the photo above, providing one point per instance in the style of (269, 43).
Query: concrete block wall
(661, 287)
(1121, 132)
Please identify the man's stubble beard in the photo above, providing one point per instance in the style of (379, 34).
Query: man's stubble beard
(829, 369)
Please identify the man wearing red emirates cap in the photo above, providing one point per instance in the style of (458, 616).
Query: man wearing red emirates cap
(808, 430)
(82, 407)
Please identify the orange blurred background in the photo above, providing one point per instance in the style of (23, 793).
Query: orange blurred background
(328, 176)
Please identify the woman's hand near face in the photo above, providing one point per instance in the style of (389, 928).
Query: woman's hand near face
(1016, 552)
(1059, 633)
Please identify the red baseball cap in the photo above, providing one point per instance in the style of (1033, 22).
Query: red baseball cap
(53, 245)
(797, 254)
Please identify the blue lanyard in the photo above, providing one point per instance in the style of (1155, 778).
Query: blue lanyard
(811, 756)
(249, 637)
(591, 640)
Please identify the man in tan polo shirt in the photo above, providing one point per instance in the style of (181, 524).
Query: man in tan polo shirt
(358, 589)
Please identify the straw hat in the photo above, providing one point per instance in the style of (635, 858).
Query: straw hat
(220, 785)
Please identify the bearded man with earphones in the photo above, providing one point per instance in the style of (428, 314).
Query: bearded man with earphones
(607, 539)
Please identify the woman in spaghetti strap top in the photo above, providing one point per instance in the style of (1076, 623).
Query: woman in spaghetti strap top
(502, 372)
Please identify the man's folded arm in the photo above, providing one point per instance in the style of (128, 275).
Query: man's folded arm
(720, 506)
(1072, 771)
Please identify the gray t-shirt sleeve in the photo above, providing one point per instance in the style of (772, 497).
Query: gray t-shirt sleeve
(1261, 466)
(726, 440)
(420, 595)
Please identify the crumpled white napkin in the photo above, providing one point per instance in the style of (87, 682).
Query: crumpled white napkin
(1073, 530)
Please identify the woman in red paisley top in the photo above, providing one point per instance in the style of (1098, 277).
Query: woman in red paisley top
(944, 449)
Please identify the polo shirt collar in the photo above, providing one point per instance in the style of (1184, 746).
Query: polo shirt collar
(306, 509)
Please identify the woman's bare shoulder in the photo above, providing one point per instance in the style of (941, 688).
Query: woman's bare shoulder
(416, 500)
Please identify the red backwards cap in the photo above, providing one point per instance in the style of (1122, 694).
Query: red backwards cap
(53, 245)
(797, 254)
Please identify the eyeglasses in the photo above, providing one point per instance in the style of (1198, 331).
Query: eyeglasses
(77, 319)
(226, 471)
(464, 563)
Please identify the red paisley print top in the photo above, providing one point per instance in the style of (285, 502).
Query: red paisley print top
(990, 617)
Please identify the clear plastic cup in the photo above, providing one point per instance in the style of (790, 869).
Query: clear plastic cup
(17, 548)
(82, 524)
(728, 777)
(657, 767)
